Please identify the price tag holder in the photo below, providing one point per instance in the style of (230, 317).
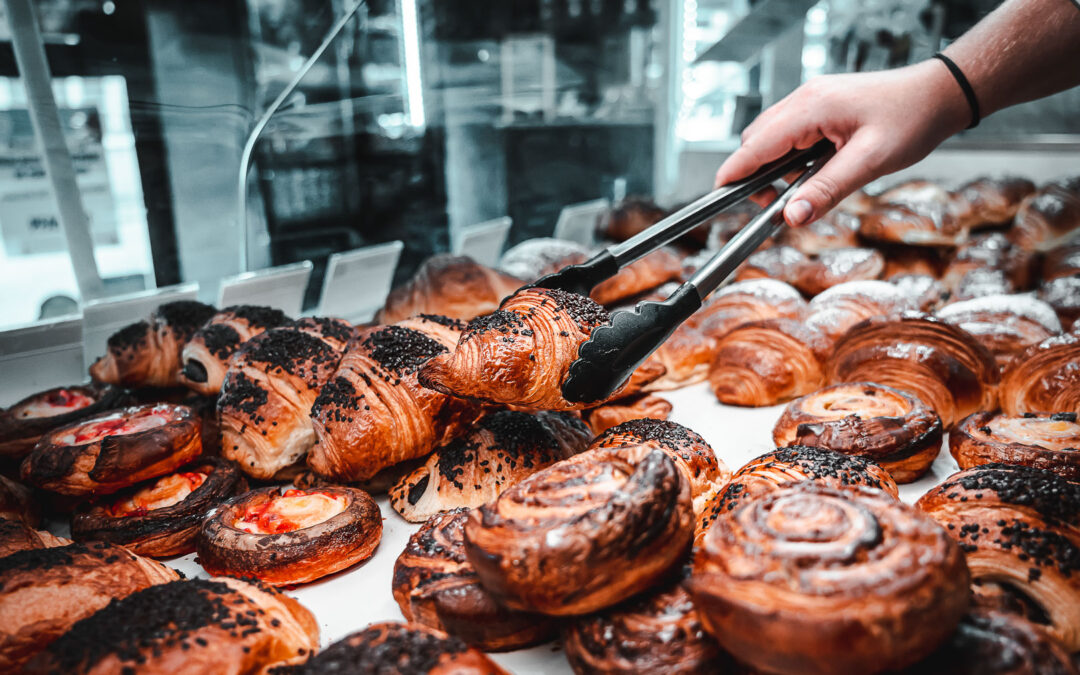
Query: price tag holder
(484, 241)
(280, 287)
(357, 282)
(577, 222)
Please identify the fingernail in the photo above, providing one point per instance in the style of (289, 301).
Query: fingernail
(798, 212)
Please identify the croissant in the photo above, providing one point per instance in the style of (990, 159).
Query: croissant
(654, 269)
(901, 260)
(1043, 377)
(268, 392)
(641, 406)
(1063, 261)
(533, 258)
(206, 354)
(1063, 294)
(988, 257)
(1049, 441)
(16, 535)
(334, 332)
(940, 364)
(23, 424)
(929, 224)
(746, 301)
(994, 201)
(813, 274)
(450, 285)
(373, 413)
(684, 358)
(147, 353)
(834, 311)
(1004, 324)
(194, 626)
(502, 449)
(631, 216)
(435, 585)
(819, 579)
(768, 362)
(584, 533)
(1018, 527)
(836, 230)
(1048, 218)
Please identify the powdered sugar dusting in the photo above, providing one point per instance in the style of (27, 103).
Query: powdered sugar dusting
(769, 290)
(533, 258)
(1020, 305)
(878, 291)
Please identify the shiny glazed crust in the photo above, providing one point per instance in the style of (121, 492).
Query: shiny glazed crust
(889, 427)
(1049, 441)
(435, 585)
(1004, 324)
(19, 434)
(205, 357)
(839, 308)
(295, 557)
(685, 357)
(836, 230)
(746, 301)
(654, 269)
(1044, 377)
(114, 462)
(450, 285)
(585, 533)
(817, 579)
(641, 406)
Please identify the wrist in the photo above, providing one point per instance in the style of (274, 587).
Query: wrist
(952, 112)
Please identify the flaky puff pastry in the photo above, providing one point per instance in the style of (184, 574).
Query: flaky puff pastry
(940, 364)
(23, 424)
(451, 285)
(1049, 441)
(746, 301)
(585, 533)
(205, 357)
(215, 625)
(373, 413)
(834, 311)
(817, 579)
(1018, 527)
(1045, 377)
(641, 406)
(436, 585)
(1049, 217)
(520, 354)
(1063, 261)
(836, 230)
(15, 535)
(991, 252)
(629, 217)
(1004, 324)
(17, 502)
(685, 357)
(654, 269)
(44, 591)
(813, 274)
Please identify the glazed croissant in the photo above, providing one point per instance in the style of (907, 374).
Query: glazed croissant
(448, 285)
(658, 267)
(1004, 324)
(1044, 377)
(1049, 217)
(206, 354)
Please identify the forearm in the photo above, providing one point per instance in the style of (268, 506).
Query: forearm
(1023, 50)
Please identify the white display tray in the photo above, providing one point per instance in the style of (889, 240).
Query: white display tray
(350, 600)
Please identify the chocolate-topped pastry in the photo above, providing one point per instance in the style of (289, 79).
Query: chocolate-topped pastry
(1049, 441)
(1004, 324)
(1020, 530)
(334, 332)
(16, 535)
(436, 585)
(23, 424)
(206, 354)
(452, 285)
(1043, 378)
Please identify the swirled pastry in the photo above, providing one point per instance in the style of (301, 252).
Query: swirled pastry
(889, 427)
(1004, 324)
(836, 230)
(817, 579)
(23, 424)
(501, 449)
(938, 363)
(16, 535)
(994, 201)
(1049, 217)
(147, 353)
(451, 285)
(266, 398)
(834, 311)
(746, 301)
(641, 406)
(631, 216)
(1044, 377)
(197, 626)
(435, 585)
(373, 413)
(1018, 527)
(1063, 294)
(1049, 441)
(205, 357)
(44, 591)
(768, 362)
(533, 258)
(585, 533)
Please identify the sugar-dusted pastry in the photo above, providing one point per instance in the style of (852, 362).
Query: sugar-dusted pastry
(1063, 294)
(640, 406)
(534, 258)
(832, 312)
(745, 301)
(837, 229)
(1049, 217)
(451, 285)
(917, 213)
(926, 291)
(987, 259)
(1063, 261)
(205, 357)
(813, 274)
(1045, 377)
(23, 424)
(994, 200)
(1004, 324)
(1049, 441)
(658, 267)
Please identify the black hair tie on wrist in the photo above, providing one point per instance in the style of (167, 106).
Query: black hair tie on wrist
(965, 86)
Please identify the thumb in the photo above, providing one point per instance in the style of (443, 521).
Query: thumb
(847, 171)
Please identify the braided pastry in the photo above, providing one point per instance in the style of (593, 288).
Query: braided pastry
(1004, 324)
(451, 285)
(1049, 441)
(206, 354)
(1045, 377)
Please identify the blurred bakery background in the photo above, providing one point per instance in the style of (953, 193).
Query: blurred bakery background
(445, 125)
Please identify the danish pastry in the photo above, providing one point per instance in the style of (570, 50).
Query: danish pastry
(23, 424)
(1049, 441)
(206, 354)
(451, 285)
(1044, 377)
(1004, 324)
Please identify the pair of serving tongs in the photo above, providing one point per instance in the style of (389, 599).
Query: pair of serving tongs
(614, 351)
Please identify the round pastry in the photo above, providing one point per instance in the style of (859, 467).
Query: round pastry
(161, 518)
(1063, 294)
(585, 533)
(1004, 324)
(938, 363)
(995, 201)
(15, 535)
(891, 428)
(206, 354)
(641, 406)
(17, 503)
(290, 537)
(435, 585)
(1047, 218)
(534, 258)
(837, 309)
(746, 301)
(114, 450)
(836, 230)
(23, 424)
(45, 591)
(658, 632)
(408, 649)
(194, 626)
(1045, 377)
(1020, 530)
(1049, 441)
(629, 217)
(451, 285)
(818, 579)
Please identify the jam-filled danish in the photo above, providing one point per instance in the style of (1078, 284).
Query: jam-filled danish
(23, 424)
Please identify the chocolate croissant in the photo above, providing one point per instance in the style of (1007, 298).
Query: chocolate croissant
(817, 579)
(23, 424)
(1004, 324)
(500, 450)
(746, 301)
(585, 533)
(1044, 377)
(147, 353)
(940, 364)
(1049, 441)
(206, 354)
(451, 285)
(834, 311)
(1018, 527)
(1049, 217)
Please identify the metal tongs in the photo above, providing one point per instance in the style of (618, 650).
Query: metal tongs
(614, 351)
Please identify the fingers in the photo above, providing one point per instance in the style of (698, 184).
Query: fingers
(854, 165)
(772, 135)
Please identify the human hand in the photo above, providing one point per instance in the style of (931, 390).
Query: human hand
(879, 122)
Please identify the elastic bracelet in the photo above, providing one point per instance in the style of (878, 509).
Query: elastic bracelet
(965, 86)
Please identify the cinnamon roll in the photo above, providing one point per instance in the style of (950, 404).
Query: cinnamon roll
(16, 535)
(1044, 377)
(17, 502)
(746, 301)
(658, 267)
(290, 537)
(1048, 218)
(818, 579)
(206, 354)
(435, 585)
(1049, 441)
(940, 364)
(889, 427)
(451, 285)
(147, 353)
(994, 201)
(836, 230)
(197, 626)
(1018, 527)
(585, 533)
(1004, 324)
(534, 258)
(1063, 294)
(114, 450)
(641, 406)
(269, 389)
(161, 518)
(23, 424)
(768, 362)
(502, 449)
(632, 216)
(837, 309)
